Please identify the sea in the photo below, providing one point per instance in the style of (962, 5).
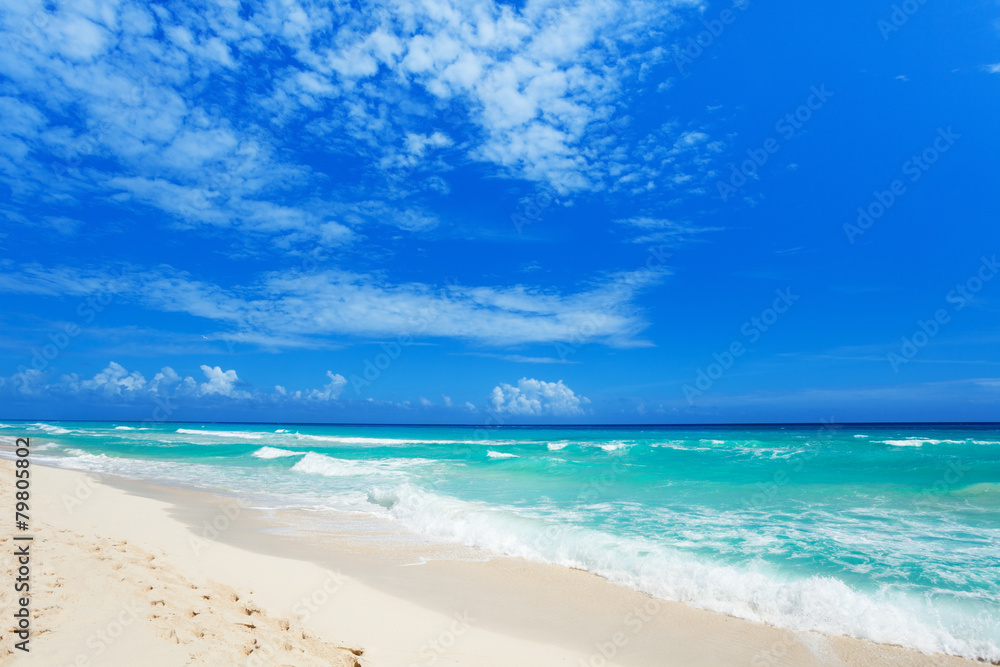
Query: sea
(885, 532)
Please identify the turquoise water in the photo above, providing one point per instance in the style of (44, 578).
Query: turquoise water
(888, 533)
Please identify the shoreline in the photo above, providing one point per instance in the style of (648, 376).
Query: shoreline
(365, 590)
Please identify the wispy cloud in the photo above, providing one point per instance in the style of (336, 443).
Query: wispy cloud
(324, 304)
(662, 230)
(134, 106)
(519, 358)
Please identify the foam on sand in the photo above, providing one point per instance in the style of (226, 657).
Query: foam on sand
(752, 592)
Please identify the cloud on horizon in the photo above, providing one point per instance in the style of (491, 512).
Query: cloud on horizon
(536, 398)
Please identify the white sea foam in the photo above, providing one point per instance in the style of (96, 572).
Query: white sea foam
(903, 443)
(329, 466)
(392, 442)
(614, 446)
(246, 435)
(500, 455)
(274, 453)
(754, 592)
(917, 442)
(860, 435)
(556, 446)
(124, 428)
(54, 430)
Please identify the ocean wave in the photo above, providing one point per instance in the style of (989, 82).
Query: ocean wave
(392, 442)
(248, 435)
(124, 428)
(754, 592)
(918, 442)
(615, 445)
(53, 430)
(274, 453)
(680, 445)
(556, 446)
(500, 455)
(329, 466)
(860, 435)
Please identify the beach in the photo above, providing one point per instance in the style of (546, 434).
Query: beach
(126, 572)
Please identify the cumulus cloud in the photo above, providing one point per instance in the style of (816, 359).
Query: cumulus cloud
(26, 382)
(331, 390)
(536, 398)
(220, 383)
(117, 382)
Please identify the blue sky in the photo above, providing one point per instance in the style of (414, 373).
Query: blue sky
(477, 212)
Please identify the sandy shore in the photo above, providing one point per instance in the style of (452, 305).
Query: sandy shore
(125, 573)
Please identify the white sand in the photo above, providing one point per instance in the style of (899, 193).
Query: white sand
(139, 577)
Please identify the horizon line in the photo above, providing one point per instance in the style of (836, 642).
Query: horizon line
(830, 424)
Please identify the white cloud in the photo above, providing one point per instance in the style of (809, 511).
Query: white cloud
(26, 382)
(661, 230)
(331, 391)
(220, 382)
(993, 69)
(528, 91)
(287, 305)
(115, 380)
(535, 398)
